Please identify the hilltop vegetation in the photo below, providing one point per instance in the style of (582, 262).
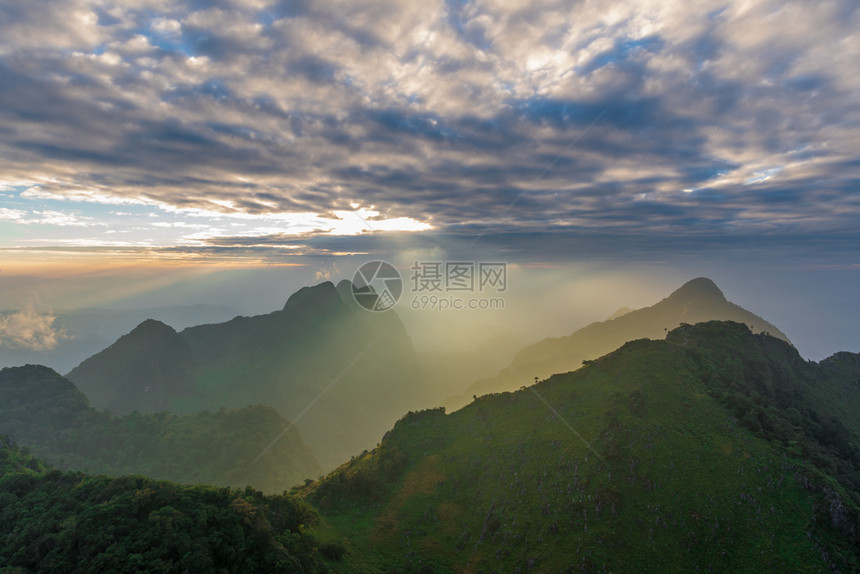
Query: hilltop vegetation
(52, 521)
(45, 411)
(775, 394)
(710, 449)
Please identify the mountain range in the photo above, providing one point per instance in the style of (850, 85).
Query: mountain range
(696, 301)
(341, 373)
(692, 445)
(714, 449)
(79, 333)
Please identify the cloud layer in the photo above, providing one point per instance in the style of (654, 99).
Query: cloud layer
(263, 121)
(29, 329)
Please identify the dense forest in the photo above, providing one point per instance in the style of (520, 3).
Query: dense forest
(53, 521)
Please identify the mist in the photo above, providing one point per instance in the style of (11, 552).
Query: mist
(811, 303)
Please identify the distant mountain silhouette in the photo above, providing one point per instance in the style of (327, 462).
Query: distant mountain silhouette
(85, 332)
(343, 374)
(696, 301)
(619, 313)
(144, 370)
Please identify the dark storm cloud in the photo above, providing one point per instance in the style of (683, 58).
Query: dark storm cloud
(470, 115)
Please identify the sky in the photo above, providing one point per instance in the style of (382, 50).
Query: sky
(170, 145)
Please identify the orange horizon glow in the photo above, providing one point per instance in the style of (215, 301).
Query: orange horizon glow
(54, 265)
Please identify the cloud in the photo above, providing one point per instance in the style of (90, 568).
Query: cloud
(29, 329)
(45, 217)
(329, 273)
(479, 116)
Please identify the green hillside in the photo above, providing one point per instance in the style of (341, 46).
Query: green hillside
(712, 450)
(46, 412)
(52, 521)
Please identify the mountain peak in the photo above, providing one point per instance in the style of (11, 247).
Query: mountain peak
(152, 327)
(318, 297)
(700, 288)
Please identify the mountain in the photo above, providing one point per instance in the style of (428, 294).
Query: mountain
(696, 301)
(51, 521)
(341, 373)
(50, 415)
(621, 311)
(147, 367)
(80, 333)
(714, 449)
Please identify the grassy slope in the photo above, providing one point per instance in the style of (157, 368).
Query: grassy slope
(511, 484)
